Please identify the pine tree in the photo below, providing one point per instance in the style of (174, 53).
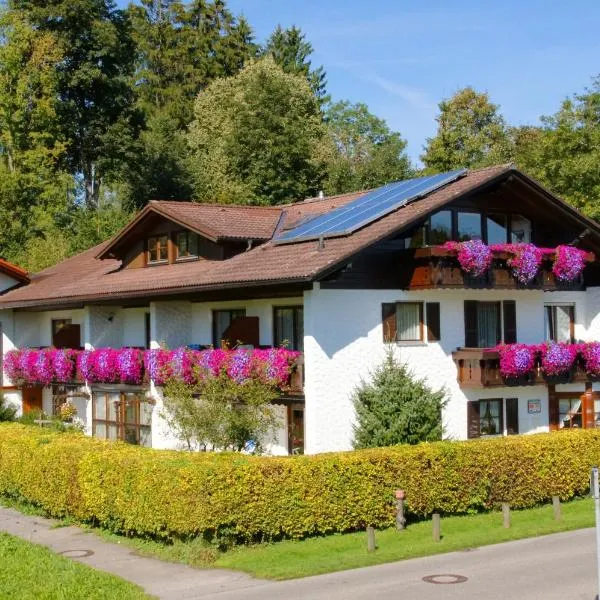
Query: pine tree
(396, 408)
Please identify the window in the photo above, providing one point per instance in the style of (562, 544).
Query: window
(497, 230)
(570, 414)
(469, 226)
(187, 245)
(158, 249)
(489, 323)
(403, 321)
(493, 416)
(59, 324)
(222, 319)
(296, 429)
(289, 327)
(125, 416)
(559, 323)
(440, 228)
(147, 331)
(520, 229)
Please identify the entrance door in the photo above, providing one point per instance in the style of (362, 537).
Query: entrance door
(573, 410)
(32, 398)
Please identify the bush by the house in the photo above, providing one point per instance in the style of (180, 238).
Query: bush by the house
(173, 494)
(7, 411)
(394, 407)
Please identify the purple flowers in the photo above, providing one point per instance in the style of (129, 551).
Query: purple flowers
(474, 257)
(130, 365)
(39, 366)
(568, 263)
(558, 358)
(591, 357)
(516, 360)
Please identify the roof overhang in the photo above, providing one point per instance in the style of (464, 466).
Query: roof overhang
(18, 274)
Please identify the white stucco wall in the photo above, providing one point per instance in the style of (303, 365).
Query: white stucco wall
(6, 282)
(343, 343)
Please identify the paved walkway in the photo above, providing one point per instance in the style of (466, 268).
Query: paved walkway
(554, 567)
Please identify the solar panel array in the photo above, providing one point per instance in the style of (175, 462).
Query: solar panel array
(370, 207)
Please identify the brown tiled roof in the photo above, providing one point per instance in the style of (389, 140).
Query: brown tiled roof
(85, 277)
(13, 271)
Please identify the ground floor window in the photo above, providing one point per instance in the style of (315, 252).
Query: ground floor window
(574, 410)
(493, 416)
(119, 415)
(296, 429)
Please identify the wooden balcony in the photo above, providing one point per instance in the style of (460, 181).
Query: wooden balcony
(480, 368)
(431, 268)
(297, 379)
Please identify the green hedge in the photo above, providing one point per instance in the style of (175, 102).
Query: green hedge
(175, 494)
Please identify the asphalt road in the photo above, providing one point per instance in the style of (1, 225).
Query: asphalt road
(554, 567)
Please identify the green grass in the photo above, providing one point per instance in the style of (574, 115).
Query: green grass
(32, 572)
(314, 556)
(291, 559)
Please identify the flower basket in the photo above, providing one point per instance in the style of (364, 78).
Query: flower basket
(527, 379)
(566, 377)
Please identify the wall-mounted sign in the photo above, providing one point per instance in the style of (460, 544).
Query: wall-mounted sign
(534, 406)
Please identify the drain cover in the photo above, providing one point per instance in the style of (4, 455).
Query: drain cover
(76, 553)
(445, 578)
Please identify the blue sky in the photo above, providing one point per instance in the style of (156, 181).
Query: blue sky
(401, 58)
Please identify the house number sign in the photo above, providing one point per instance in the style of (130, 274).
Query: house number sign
(534, 406)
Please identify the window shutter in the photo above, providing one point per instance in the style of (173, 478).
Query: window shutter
(553, 412)
(388, 319)
(473, 419)
(471, 340)
(498, 322)
(512, 416)
(432, 310)
(510, 321)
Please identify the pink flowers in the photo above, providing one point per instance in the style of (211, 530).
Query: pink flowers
(133, 366)
(591, 357)
(475, 258)
(558, 358)
(568, 263)
(516, 360)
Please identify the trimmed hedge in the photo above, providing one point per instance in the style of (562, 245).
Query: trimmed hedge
(175, 494)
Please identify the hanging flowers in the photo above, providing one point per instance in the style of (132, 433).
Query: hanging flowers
(525, 260)
(474, 257)
(130, 365)
(568, 263)
(516, 360)
(558, 358)
(590, 353)
(157, 365)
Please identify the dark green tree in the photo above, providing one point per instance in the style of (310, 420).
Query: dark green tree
(257, 137)
(95, 97)
(291, 51)
(471, 133)
(366, 152)
(7, 411)
(396, 408)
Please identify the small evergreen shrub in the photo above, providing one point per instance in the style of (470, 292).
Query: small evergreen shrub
(7, 411)
(396, 408)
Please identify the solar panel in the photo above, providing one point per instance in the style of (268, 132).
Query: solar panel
(370, 207)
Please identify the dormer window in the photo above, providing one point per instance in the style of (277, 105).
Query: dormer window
(186, 244)
(158, 249)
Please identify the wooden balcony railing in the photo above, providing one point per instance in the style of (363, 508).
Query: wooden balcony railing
(437, 268)
(297, 378)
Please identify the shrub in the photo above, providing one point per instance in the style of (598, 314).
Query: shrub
(7, 411)
(396, 408)
(168, 494)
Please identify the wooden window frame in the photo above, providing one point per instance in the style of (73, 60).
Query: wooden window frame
(295, 308)
(188, 233)
(500, 324)
(390, 330)
(63, 323)
(421, 322)
(503, 414)
(121, 424)
(217, 344)
(551, 307)
(154, 240)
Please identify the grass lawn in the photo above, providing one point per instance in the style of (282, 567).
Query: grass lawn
(32, 572)
(314, 556)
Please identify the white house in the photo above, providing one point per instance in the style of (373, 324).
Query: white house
(339, 278)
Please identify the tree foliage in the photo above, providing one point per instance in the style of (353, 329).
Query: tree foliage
(257, 137)
(471, 133)
(395, 408)
(366, 152)
(220, 414)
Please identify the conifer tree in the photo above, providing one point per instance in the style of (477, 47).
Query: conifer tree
(396, 408)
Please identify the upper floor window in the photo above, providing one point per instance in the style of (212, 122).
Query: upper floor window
(469, 226)
(497, 229)
(520, 230)
(222, 319)
(186, 245)
(489, 323)
(559, 322)
(288, 327)
(440, 227)
(158, 248)
(411, 321)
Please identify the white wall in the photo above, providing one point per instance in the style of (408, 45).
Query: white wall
(6, 282)
(343, 343)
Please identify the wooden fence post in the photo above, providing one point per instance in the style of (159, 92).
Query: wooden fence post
(506, 515)
(435, 518)
(400, 520)
(556, 507)
(371, 539)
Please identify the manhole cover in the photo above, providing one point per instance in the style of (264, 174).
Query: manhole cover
(76, 553)
(445, 578)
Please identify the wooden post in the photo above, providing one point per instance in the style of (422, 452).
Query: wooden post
(556, 507)
(435, 518)
(400, 520)
(506, 515)
(371, 539)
